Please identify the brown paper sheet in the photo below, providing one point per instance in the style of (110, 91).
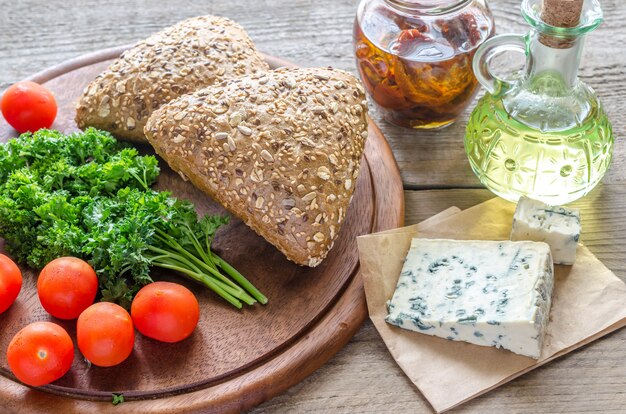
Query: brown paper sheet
(588, 302)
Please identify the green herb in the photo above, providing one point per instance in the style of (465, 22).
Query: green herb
(117, 399)
(89, 196)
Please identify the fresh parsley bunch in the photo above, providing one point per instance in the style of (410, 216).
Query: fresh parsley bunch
(89, 196)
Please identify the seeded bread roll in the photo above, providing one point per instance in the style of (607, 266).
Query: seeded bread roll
(280, 150)
(190, 55)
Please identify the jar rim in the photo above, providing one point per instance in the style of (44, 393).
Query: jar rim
(431, 7)
(590, 18)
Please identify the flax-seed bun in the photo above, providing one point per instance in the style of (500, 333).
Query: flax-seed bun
(190, 55)
(281, 150)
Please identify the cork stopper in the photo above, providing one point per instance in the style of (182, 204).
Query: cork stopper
(560, 13)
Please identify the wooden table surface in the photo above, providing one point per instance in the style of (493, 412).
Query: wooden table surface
(36, 34)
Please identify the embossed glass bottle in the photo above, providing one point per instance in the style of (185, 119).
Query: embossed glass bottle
(545, 134)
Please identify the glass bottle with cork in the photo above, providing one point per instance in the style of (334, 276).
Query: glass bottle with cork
(415, 57)
(544, 134)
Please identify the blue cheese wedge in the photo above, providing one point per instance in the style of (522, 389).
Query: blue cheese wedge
(489, 293)
(557, 226)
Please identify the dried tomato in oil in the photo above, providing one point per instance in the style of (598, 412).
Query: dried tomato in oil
(418, 69)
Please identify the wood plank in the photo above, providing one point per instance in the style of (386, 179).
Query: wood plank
(363, 376)
(37, 34)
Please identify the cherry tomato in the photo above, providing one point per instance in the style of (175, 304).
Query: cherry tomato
(105, 334)
(165, 311)
(40, 353)
(28, 106)
(66, 287)
(10, 282)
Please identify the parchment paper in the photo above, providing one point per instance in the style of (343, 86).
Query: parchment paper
(589, 301)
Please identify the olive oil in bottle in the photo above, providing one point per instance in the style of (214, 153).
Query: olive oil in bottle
(545, 135)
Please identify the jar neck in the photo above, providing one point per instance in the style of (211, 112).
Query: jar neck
(553, 58)
(427, 7)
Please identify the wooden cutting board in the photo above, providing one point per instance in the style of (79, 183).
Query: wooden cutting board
(235, 359)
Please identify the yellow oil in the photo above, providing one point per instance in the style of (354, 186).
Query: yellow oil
(512, 159)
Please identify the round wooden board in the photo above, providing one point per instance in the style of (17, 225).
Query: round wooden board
(235, 359)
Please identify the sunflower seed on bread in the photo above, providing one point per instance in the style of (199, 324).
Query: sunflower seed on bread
(190, 55)
(281, 150)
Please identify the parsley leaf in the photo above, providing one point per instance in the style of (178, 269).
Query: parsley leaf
(117, 399)
(89, 196)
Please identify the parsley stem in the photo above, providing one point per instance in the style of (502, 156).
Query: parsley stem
(209, 261)
(166, 238)
(199, 250)
(239, 278)
(207, 281)
(177, 257)
(202, 277)
(192, 270)
(142, 182)
(211, 269)
(249, 300)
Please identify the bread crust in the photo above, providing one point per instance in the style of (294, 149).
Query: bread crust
(280, 150)
(180, 59)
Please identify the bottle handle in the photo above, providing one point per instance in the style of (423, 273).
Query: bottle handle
(487, 51)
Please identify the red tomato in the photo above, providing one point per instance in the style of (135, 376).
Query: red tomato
(66, 287)
(10, 282)
(28, 106)
(40, 353)
(165, 311)
(105, 334)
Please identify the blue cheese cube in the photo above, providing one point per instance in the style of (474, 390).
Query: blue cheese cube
(557, 226)
(489, 293)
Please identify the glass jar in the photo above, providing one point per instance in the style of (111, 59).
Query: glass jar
(545, 134)
(415, 57)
